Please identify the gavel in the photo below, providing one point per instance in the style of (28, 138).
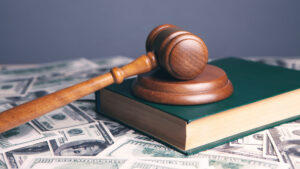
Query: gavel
(182, 54)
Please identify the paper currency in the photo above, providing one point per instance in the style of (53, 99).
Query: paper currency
(2, 162)
(89, 107)
(16, 158)
(15, 87)
(31, 95)
(112, 62)
(268, 147)
(22, 135)
(58, 81)
(73, 162)
(238, 162)
(57, 68)
(87, 140)
(197, 163)
(67, 116)
(248, 147)
(117, 130)
(251, 140)
(6, 106)
(138, 164)
(17, 100)
(287, 143)
(137, 148)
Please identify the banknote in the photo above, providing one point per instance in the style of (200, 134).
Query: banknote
(268, 147)
(50, 68)
(6, 106)
(62, 80)
(73, 162)
(67, 116)
(84, 140)
(137, 149)
(251, 140)
(2, 162)
(15, 158)
(286, 140)
(205, 160)
(117, 130)
(139, 136)
(127, 147)
(112, 61)
(22, 135)
(3, 101)
(197, 163)
(15, 87)
(31, 95)
(139, 164)
(89, 107)
(245, 148)
(238, 162)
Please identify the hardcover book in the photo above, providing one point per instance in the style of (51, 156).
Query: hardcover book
(264, 96)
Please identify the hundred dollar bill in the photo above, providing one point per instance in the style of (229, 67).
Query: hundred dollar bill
(127, 147)
(3, 101)
(138, 164)
(58, 81)
(31, 95)
(6, 106)
(197, 163)
(255, 139)
(268, 147)
(15, 158)
(287, 143)
(15, 87)
(87, 140)
(238, 162)
(139, 136)
(89, 107)
(112, 62)
(2, 162)
(57, 68)
(138, 149)
(254, 151)
(73, 162)
(21, 136)
(117, 130)
(67, 116)
(202, 160)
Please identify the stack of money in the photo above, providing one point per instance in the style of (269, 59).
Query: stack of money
(75, 136)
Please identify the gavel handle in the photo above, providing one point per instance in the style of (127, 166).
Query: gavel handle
(28, 111)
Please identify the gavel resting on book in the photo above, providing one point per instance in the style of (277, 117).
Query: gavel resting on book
(188, 80)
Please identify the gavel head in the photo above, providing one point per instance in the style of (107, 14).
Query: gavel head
(181, 53)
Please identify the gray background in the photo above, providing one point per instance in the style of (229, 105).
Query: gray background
(34, 31)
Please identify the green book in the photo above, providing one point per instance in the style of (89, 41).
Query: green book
(264, 96)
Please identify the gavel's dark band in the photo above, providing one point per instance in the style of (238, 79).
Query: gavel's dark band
(154, 33)
(157, 42)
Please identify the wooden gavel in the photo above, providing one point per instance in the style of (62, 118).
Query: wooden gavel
(181, 53)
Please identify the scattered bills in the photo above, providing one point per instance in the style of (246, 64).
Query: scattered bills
(75, 136)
